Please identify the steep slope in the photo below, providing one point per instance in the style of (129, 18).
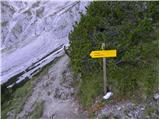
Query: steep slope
(33, 34)
(53, 93)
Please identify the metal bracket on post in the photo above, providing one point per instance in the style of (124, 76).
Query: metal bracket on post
(104, 71)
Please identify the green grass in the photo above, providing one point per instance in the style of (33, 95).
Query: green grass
(90, 88)
(150, 112)
(38, 111)
(18, 99)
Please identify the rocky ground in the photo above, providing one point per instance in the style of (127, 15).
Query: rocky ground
(52, 96)
(130, 110)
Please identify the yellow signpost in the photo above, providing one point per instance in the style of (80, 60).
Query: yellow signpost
(104, 54)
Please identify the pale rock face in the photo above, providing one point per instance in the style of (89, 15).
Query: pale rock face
(34, 33)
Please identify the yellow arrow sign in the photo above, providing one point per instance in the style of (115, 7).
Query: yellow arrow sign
(103, 53)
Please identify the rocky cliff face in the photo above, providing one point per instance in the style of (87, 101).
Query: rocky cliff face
(33, 34)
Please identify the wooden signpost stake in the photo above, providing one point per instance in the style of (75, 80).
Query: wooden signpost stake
(104, 71)
(103, 54)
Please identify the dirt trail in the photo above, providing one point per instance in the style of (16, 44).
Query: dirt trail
(55, 91)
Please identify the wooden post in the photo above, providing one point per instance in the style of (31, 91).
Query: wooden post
(104, 70)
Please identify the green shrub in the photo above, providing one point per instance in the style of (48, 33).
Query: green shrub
(129, 27)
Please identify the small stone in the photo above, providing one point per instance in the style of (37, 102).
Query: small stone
(129, 114)
(147, 117)
(142, 109)
(156, 96)
(119, 108)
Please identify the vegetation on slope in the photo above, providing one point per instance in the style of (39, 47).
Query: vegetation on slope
(132, 29)
(14, 99)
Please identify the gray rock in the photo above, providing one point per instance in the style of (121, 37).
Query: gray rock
(142, 109)
(119, 108)
(35, 34)
(156, 96)
(129, 114)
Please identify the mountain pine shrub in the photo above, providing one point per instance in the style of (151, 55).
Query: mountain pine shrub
(132, 29)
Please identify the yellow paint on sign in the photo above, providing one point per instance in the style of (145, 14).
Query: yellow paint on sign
(103, 53)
